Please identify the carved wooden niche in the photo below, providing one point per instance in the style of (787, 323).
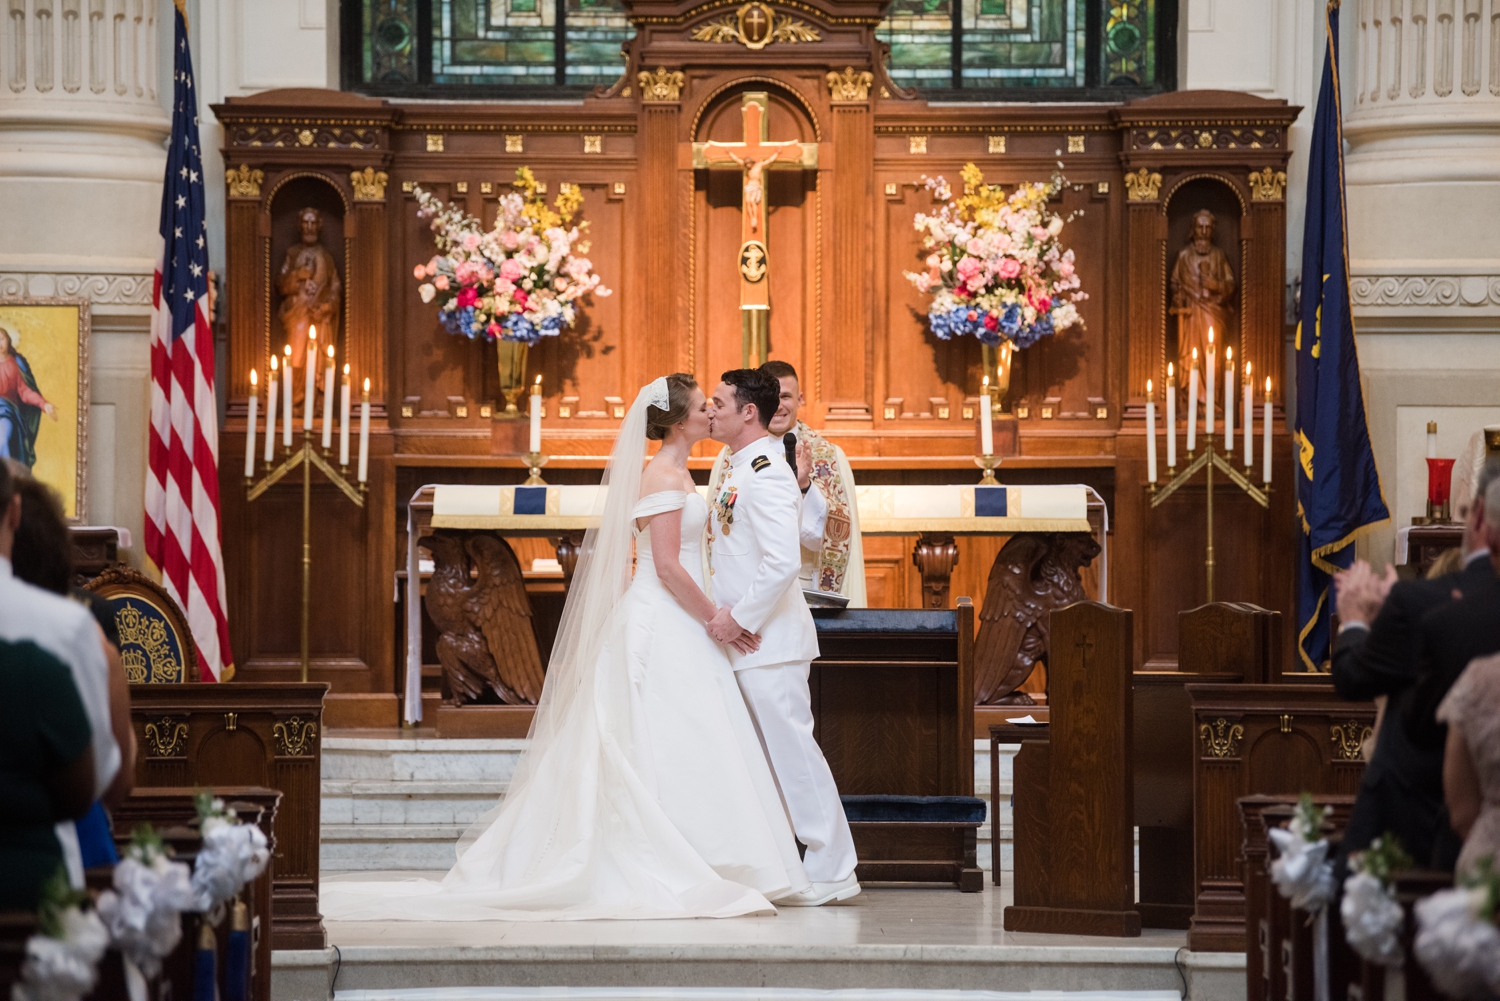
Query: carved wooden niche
(797, 271)
(1183, 207)
(294, 199)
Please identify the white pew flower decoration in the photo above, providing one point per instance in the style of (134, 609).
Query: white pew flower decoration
(62, 959)
(143, 911)
(233, 854)
(1302, 871)
(1457, 941)
(1372, 917)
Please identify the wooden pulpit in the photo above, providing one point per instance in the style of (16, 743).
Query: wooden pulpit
(1075, 863)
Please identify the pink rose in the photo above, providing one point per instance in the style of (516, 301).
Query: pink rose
(969, 267)
(975, 247)
(1065, 268)
(520, 298)
(511, 269)
(991, 321)
(923, 283)
(431, 267)
(471, 241)
(441, 281)
(509, 240)
(933, 260)
(1039, 233)
(494, 330)
(973, 315)
(419, 272)
(467, 296)
(1009, 268)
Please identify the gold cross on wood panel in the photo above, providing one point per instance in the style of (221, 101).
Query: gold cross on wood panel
(753, 157)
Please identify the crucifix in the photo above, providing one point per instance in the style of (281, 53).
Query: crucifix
(752, 158)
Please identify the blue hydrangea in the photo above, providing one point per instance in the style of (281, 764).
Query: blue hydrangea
(1010, 320)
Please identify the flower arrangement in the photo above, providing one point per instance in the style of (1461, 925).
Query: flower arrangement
(1457, 940)
(233, 853)
(996, 267)
(62, 959)
(1303, 873)
(1372, 917)
(520, 280)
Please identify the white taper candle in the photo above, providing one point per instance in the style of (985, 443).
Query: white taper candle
(1229, 401)
(286, 398)
(986, 422)
(1208, 394)
(364, 434)
(1150, 434)
(1171, 418)
(1192, 421)
(1265, 437)
(250, 427)
(535, 441)
(1249, 391)
(344, 422)
(273, 383)
(309, 401)
(328, 402)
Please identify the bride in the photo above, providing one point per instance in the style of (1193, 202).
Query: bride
(644, 792)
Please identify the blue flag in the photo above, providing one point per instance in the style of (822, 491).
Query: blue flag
(1338, 486)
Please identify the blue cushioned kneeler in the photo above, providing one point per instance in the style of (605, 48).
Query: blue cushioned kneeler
(914, 809)
(531, 500)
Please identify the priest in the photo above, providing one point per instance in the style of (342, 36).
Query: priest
(832, 557)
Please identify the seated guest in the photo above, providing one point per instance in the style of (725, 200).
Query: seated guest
(64, 629)
(1378, 651)
(42, 554)
(1471, 763)
(46, 768)
(832, 552)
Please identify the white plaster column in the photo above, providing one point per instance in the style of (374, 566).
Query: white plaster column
(82, 131)
(1422, 120)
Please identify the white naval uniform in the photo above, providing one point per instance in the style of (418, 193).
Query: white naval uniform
(754, 557)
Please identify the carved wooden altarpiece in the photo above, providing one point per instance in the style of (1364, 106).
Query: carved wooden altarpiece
(666, 237)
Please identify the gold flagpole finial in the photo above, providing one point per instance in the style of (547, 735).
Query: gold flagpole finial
(182, 9)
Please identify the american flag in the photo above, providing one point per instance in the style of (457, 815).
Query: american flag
(182, 485)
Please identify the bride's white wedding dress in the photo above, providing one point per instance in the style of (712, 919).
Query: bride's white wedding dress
(645, 793)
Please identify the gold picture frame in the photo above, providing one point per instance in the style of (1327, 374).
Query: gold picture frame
(45, 340)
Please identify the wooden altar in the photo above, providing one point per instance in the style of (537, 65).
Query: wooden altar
(664, 232)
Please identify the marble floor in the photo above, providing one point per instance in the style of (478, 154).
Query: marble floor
(907, 939)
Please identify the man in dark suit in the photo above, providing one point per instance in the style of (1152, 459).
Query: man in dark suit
(1379, 651)
(1452, 635)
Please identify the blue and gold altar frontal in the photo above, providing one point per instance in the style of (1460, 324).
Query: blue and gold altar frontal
(883, 510)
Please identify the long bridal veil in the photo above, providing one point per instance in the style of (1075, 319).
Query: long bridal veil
(579, 833)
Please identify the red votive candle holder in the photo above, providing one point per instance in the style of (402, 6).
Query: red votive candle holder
(1439, 484)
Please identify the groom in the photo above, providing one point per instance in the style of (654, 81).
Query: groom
(754, 557)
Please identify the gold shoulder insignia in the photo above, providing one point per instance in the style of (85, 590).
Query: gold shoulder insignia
(759, 462)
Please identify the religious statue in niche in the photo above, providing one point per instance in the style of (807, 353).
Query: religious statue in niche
(486, 642)
(1202, 292)
(312, 294)
(1033, 575)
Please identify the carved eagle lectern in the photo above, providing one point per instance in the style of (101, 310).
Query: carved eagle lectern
(1032, 575)
(485, 619)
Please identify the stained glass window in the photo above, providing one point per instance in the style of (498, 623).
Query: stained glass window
(1025, 43)
(1055, 48)
(409, 45)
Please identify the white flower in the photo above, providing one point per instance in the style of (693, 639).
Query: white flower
(1372, 919)
(232, 855)
(426, 291)
(142, 912)
(1055, 226)
(1302, 873)
(1460, 951)
(63, 969)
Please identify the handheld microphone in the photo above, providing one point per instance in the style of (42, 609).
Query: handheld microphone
(789, 441)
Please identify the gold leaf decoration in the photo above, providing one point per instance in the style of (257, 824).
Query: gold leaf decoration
(663, 85)
(1143, 186)
(244, 181)
(1221, 739)
(1267, 185)
(850, 85)
(369, 184)
(166, 737)
(1349, 738)
(295, 737)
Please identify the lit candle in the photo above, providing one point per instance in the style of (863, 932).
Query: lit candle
(364, 434)
(986, 427)
(536, 415)
(1192, 421)
(344, 422)
(1229, 400)
(1249, 420)
(273, 383)
(328, 402)
(1171, 417)
(1265, 437)
(1150, 434)
(310, 400)
(1208, 395)
(250, 427)
(286, 402)
(1432, 439)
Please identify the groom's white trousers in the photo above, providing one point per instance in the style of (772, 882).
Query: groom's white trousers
(781, 704)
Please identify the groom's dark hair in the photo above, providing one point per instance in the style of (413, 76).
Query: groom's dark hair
(751, 385)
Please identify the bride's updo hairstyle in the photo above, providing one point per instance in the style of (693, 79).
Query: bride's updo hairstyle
(680, 388)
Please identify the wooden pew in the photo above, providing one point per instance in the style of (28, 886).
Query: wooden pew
(247, 734)
(171, 810)
(1075, 869)
(1260, 739)
(893, 710)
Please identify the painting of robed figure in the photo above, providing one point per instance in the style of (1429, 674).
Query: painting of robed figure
(43, 379)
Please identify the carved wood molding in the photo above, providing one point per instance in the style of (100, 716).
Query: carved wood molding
(662, 86)
(1267, 185)
(1221, 738)
(244, 181)
(850, 85)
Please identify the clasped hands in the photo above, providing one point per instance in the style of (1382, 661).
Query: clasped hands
(725, 630)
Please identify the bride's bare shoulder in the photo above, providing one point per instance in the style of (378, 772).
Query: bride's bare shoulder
(661, 474)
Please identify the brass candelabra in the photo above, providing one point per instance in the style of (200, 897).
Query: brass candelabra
(1209, 460)
(307, 456)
